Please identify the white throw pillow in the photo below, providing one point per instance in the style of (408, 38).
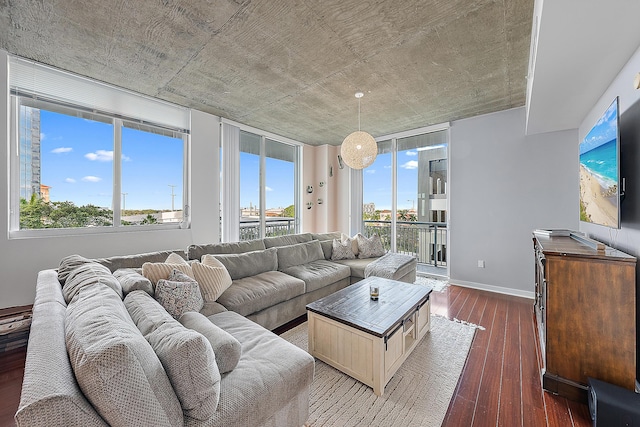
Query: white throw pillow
(353, 240)
(342, 250)
(212, 276)
(369, 247)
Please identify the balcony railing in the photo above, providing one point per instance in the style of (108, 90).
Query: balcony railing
(250, 229)
(427, 241)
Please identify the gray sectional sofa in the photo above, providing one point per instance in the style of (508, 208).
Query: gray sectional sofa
(272, 281)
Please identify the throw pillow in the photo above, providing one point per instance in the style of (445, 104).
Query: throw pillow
(155, 271)
(89, 274)
(178, 297)
(342, 250)
(354, 243)
(175, 259)
(186, 355)
(369, 247)
(212, 277)
(226, 348)
(131, 280)
(115, 366)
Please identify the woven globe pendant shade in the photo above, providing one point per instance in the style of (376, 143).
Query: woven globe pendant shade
(359, 150)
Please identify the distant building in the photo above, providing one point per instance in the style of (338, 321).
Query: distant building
(44, 193)
(29, 152)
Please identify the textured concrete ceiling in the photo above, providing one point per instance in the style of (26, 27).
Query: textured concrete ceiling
(291, 67)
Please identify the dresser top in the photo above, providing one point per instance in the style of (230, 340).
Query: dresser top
(568, 246)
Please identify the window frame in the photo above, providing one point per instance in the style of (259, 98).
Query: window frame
(118, 123)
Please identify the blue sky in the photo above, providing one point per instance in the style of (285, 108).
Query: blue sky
(377, 181)
(77, 163)
(279, 182)
(603, 131)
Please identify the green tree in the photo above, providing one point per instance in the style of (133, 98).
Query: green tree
(403, 215)
(289, 212)
(36, 213)
(149, 219)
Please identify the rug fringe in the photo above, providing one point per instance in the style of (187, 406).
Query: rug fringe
(464, 322)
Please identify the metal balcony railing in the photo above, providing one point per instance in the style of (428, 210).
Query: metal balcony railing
(250, 229)
(427, 241)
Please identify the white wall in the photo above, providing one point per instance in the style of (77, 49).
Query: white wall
(21, 259)
(503, 185)
(627, 238)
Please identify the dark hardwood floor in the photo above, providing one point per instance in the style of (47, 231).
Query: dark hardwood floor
(500, 384)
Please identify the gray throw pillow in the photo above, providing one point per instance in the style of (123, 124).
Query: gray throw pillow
(342, 250)
(179, 295)
(370, 247)
(299, 254)
(186, 355)
(89, 274)
(131, 280)
(114, 365)
(226, 348)
(249, 263)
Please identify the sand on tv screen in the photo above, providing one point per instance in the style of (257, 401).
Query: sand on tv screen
(599, 171)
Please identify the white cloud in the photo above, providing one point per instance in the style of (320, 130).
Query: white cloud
(100, 155)
(387, 167)
(60, 150)
(371, 171)
(90, 178)
(268, 188)
(411, 164)
(70, 180)
(411, 153)
(42, 136)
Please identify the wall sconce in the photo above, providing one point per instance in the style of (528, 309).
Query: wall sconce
(321, 184)
(309, 189)
(309, 205)
(319, 201)
(636, 82)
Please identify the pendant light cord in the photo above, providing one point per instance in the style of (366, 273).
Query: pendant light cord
(358, 114)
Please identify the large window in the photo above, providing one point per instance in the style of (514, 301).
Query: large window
(268, 183)
(75, 168)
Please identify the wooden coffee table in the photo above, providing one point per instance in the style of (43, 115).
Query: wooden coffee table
(369, 340)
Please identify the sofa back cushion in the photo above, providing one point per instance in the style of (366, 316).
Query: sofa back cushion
(131, 280)
(289, 239)
(68, 264)
(197, 251)
(114, 365)
(135, 261)
(301, 253)
(250, 263)
(186, 355)
(89, 274)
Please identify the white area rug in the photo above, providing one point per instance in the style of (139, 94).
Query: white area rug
(417, 395)
(438, 285)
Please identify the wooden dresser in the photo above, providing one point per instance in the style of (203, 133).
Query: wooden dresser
(585, 312)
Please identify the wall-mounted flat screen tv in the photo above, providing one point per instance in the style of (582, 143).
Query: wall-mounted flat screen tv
(600, 171)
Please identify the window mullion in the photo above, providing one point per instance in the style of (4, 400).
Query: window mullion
(394, 193)
(117, 172)
(263, 184)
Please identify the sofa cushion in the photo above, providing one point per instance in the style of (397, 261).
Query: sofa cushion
(68, 264)
(131, 280)
(212, 307)
(197, 251)
(251, 294)
(298, 254)
(226, 348)
(318, 274)
(270, 373)
(179, 294)
(136, 260)
(327, 248)
(249, 263)
(342, 249)
(88, 275)
(212, 276)
(115, 367)
(370, 247)
(326, 236)
(287, 240)
(185, 354)
(356, 265)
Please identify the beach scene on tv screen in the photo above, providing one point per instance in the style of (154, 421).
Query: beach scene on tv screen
(599, 171)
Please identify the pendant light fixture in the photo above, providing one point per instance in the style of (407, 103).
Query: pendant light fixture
(359, 149)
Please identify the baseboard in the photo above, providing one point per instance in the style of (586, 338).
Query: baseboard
(491, 288)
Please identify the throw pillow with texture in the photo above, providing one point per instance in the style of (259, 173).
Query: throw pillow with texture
(155, 271)
(179, 297)
(369, 247)
(186, 355)
(342, 250)
(212, 277)
(89, 274)
(115, 366)
(131, 280)
(225, 346)
(354, 242)
(175, 259)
